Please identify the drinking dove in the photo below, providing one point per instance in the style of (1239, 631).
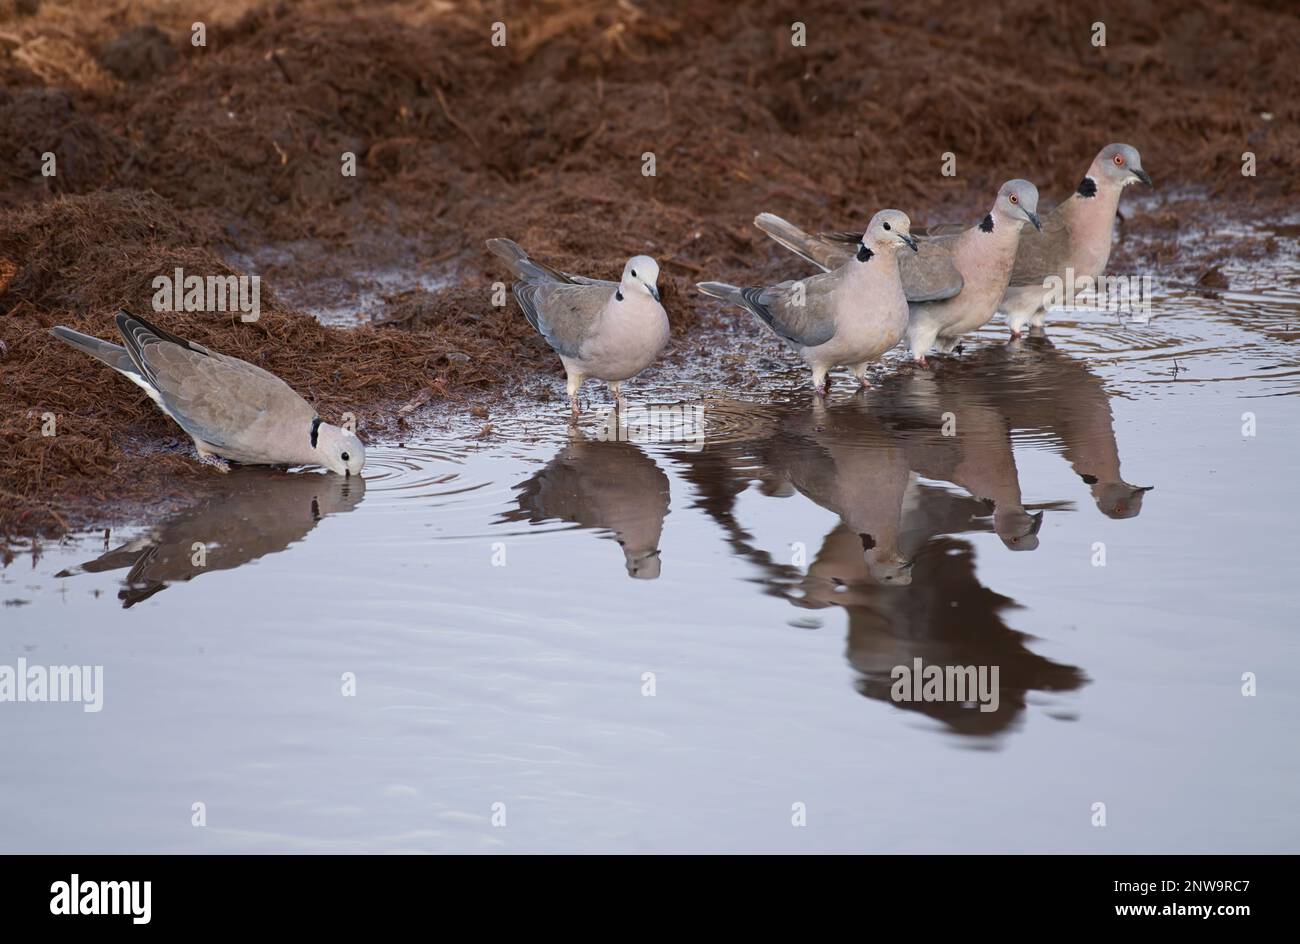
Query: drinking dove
(603, 330)
(232, 409)
(849, 316)
(955, 281)
(1076, 237)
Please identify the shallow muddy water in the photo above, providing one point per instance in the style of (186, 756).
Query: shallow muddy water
(1100, 528)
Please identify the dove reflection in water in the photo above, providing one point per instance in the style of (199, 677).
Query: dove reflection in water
(603, 484)
(860, 459)
(244, 516)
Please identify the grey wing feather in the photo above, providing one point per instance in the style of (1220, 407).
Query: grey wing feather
(942, 229)
(929, 274)
(827, 250)
(214, 397)
(530, 270)
(565, 314)
(1041, 255)
(805, 325)
(838, 248)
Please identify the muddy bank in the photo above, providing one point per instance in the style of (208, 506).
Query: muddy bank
(175, 155)
(76, 260)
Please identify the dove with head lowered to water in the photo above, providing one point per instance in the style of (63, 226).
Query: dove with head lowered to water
(849, 316)
(233, 410)
(602, 330)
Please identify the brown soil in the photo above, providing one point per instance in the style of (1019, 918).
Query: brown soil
(171, 154)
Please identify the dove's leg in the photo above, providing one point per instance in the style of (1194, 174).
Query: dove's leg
(616, 389)
(921, 335)
(1016, 321)
(821, 381)
(212, 459)
(574, 383)
(860, 371)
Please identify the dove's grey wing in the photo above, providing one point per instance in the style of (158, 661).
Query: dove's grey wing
(565, 314)
(826, 250)
(929, 274)
(832, 250)
(804, 325)
(530, 270)
(1041, 255)
(526, 268)
(941, 229)
(215, 398)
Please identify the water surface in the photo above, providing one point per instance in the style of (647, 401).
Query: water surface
(1100, 526)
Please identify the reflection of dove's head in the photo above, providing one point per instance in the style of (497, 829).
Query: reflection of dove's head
(1017, 203)
(1018, 529)
(640, 276)
(1119, 499)
(888, 231)
(339, 450)
(338, 494)
(1118, 165)
(887, 567)
(642, 565)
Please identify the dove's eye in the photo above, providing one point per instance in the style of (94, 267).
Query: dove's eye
(886, 226)
(1119, 160)
(634, 273)
(1014, 198)
(345, 457)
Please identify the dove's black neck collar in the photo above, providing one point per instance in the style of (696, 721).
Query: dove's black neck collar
(864, 254)
(1087, 187)
(987, 225)
(315, 431)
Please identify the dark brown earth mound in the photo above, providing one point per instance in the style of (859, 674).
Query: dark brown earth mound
(175, 154)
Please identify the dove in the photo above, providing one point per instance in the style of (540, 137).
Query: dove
(232, 409)
(848, 316)
(954, 282)
(602, 330)
(1076, 237)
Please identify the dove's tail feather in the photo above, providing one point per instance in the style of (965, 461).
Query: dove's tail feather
(114, 355)
(750, 299)
(791, 237)
(529, 270)
(728, 293)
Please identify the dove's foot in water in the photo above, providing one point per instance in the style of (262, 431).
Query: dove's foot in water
(215, 462)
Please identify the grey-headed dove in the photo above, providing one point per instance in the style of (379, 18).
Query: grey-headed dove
(602, 330)
(1076, 237)
(956, 280)
(849, 316)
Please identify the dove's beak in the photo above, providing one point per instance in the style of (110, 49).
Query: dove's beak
(909, 239)
(1142, 175)
(654, 292)
(1033, 218)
